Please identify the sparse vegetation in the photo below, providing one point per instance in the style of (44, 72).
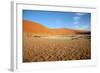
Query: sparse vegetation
(59, 44)
(48, 49)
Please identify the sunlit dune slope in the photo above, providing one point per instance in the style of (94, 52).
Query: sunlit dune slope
(36, 28)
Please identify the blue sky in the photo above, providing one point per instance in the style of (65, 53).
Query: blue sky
(56, 19)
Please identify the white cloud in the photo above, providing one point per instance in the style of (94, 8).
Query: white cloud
(76, 22)
(80, 14)
(77, 17)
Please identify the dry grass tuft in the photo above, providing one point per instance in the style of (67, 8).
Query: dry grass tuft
(37, 49)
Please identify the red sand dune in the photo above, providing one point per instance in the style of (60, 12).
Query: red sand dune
(36, 28)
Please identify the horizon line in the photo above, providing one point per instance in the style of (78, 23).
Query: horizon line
(57, 28)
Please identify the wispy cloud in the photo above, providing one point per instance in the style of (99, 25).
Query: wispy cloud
(77, 18)
(80, 14)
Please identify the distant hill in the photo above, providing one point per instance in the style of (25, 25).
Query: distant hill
(36, 28)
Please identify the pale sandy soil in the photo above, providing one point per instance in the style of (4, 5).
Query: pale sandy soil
(56, 48)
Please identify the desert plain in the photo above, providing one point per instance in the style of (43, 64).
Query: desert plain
(42, 44)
